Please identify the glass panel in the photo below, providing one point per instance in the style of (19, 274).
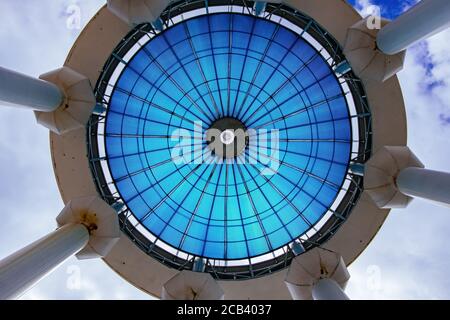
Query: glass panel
(228, 66)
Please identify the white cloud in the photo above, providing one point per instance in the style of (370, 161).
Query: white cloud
(362, 5)
(410, 248)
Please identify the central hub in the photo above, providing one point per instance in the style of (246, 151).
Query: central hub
(227, 138)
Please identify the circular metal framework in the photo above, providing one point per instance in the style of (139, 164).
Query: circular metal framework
(252, 265)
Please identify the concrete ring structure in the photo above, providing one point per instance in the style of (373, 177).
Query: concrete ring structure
(73, 173)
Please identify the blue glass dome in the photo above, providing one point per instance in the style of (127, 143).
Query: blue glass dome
(265, 77)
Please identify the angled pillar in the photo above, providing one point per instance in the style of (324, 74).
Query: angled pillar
(381, 172)
(426, 184)
(62, 100)
(135, 12)
(394, 176)
(328, 289)
(18, 89)
(87, 227)
(317, 274)
(379, 54)
(23, 269)
(366, 60)
(78, 104)
(425, 19)
(190, 285)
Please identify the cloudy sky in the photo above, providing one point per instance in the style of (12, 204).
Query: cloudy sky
(409, 258)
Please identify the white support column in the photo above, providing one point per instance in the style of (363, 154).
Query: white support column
(62, 100)
(394, 176)
(425, 19)
(28, 92)
(318, 274)
(381, 172)
(23, 269)
(363, 56)
(87, 227)
(328, 289)
(426, 184)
